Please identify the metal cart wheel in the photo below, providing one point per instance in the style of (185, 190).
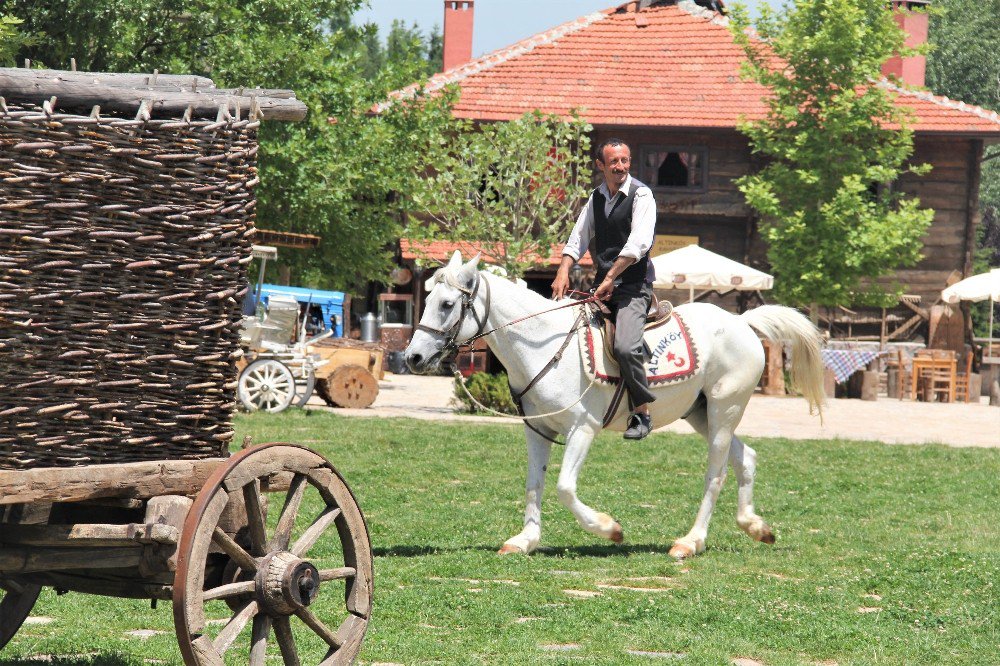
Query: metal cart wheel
(304, 387)
(16, 601)
(282, 576)
(266, 384)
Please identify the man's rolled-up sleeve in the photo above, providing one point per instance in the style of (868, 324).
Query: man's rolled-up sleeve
(583, 231)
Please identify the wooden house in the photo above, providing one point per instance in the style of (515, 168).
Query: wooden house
(664, 76)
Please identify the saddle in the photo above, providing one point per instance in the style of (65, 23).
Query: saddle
(659, 314)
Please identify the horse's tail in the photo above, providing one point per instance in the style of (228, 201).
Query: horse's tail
(778, 323)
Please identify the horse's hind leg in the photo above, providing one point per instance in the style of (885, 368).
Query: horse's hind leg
(744, 461)
(577, 445)
(538, 461)
(715, 422)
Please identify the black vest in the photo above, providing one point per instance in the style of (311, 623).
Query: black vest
(611, 232)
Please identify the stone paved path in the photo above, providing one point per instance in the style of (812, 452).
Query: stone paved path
(885, 420)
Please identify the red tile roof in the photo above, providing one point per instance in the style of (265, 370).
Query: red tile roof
(442, 251)
(679, 69)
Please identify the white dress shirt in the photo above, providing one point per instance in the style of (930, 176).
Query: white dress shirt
(640, 239)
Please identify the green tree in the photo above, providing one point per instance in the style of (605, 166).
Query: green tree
(832, 144)
(335, 179)
(512, 187)
(11, 40)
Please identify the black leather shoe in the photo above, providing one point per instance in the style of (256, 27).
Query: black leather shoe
(639, 426)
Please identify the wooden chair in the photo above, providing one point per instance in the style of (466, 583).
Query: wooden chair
(935, 371)
(962, 380)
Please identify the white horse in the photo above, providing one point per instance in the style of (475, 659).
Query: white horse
(465, 301)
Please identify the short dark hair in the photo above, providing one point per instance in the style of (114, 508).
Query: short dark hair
(599, 153)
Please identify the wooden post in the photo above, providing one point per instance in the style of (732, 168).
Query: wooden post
(774, 375)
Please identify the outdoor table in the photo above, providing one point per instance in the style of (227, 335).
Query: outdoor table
(934, 363)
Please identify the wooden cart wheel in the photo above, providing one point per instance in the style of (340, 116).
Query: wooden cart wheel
(351, 386)
(266, 384)
(283, 573)
(16, 601)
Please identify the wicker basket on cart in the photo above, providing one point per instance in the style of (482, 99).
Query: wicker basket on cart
(126, 220)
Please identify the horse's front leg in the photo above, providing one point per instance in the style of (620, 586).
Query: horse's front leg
(577, 445)
(539, 449)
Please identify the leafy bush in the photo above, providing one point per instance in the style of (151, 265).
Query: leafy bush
(492, 391)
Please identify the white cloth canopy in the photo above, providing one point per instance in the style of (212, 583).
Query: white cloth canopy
(975, 288)
(694, 267)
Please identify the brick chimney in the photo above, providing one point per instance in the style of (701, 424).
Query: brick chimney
(457, 33)
(909, 70)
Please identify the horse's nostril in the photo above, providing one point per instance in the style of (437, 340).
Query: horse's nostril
(414, 361)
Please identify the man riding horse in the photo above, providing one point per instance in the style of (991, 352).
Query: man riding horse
(617, 226)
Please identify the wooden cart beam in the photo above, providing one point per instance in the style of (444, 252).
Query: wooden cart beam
(140, 480)
(79, 535)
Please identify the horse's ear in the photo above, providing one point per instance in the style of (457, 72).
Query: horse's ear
(456, 260)
(467, 274)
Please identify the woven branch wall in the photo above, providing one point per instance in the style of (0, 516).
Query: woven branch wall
(123, 253)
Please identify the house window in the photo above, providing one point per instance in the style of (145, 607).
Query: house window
(674, 168)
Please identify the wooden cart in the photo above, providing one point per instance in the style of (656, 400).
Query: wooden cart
(123, 250)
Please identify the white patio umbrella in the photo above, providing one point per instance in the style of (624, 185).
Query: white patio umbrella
(694, 267)
(976, 288)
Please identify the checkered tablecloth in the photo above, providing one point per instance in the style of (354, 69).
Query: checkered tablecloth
(845, 363)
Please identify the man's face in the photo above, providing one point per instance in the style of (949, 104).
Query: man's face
(615, 165)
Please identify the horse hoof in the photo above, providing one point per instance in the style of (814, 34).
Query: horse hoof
(767, 537)
(509, 549)
(680, 551)
(617, 535)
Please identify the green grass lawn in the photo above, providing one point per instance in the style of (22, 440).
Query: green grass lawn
(885, 555)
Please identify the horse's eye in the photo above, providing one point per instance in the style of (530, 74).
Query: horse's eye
(447, 305)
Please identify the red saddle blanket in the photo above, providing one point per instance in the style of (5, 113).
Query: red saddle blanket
(673, 358)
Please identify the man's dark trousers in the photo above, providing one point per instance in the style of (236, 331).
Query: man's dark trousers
(629, 304)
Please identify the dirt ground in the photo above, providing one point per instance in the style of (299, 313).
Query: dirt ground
(885, 420)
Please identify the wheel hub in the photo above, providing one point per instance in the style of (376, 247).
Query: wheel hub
(286, 583)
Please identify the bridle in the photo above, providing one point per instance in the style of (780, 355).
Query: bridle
(451, 336)
(468, 302)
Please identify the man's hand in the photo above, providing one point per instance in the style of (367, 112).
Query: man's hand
(604, 290)
(560, 285)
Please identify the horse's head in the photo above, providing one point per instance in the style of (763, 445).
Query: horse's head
(449, 315)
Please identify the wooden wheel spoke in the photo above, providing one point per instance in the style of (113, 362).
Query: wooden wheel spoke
(230, 590)
(234, 550)
(286, 642)
(315, 531)
(256, 520)
(293, 501)
(258, 640)
(235, 626)
(340, 573)
(318, 627)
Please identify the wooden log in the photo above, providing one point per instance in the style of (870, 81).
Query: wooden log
(78, 96)
(351, 386)
(140, 480)
(869, 385)
(118, 79)
(90, 536)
